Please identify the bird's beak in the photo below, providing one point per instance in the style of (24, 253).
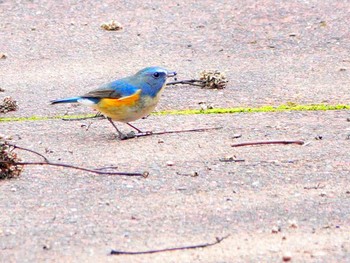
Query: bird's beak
(171, 74)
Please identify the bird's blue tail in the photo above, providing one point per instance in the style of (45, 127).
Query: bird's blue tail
(66, 100)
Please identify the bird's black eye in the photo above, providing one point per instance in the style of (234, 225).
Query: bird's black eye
(156, 75)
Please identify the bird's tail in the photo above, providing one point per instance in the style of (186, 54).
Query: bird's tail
(66, 100)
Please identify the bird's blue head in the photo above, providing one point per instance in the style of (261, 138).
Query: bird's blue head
(153, 79)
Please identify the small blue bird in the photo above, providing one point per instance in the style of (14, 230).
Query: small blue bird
(126, 99)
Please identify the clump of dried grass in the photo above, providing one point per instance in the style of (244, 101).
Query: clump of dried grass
(9, 167)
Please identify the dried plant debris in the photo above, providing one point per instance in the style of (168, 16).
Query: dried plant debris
(112, 26)
(3, 55)
(213, 79)
(9, 167)
(8, 104)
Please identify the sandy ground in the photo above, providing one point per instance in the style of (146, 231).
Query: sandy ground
(273, 52)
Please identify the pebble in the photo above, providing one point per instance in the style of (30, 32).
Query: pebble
(170, 163)
(293, 224)
(275, 229)
(287, 256)
(256, 184)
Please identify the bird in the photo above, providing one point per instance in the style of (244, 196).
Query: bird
(126, 99)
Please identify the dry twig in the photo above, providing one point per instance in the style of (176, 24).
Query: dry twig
(266, 142)
(118, 252)
(211, 79)
(11, 166)
(28, 150)
(142, 134)
(318, 186)
(96, 171)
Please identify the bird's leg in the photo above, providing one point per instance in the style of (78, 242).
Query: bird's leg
(121, 135)
(140, 133)
(132, 126)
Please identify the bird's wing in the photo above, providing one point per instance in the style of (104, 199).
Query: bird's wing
(114, 90)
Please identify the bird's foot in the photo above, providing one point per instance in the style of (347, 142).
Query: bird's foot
(132, 134)
(141, 134)
(127, 136)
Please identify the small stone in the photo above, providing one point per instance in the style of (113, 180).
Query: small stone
(256, 184)
(293, 224)
(194, 174)
(205, 106)
(160, 141)
(3, 55)
(323, 23)
(13, 189)
(318, 137)
(287, 256)
(236, 135)
(46, 247)
(275, 229)
(170, 163)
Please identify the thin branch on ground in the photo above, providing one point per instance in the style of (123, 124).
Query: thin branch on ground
(118, 252)
(266, 142)
(230, 159)
(318, 186)
(106, 168)
(28, 150)
(96, 171)
(142, 134)
(211, 79)
(193, 82)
